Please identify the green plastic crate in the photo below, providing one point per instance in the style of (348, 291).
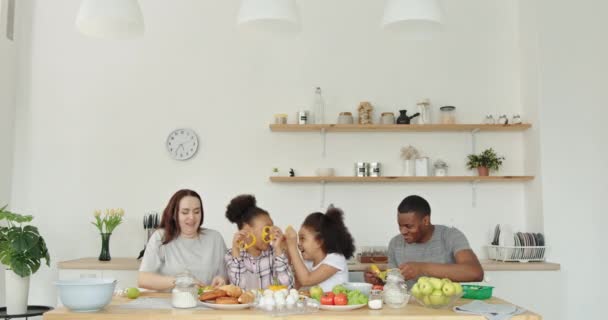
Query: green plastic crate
(477, 292)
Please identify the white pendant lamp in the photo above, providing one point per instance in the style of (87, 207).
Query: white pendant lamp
(412, 15)
(269, 13)
(110, 19)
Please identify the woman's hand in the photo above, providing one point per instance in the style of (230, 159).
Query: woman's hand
(218, 281)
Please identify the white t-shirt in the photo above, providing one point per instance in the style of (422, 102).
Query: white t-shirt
(334, 260)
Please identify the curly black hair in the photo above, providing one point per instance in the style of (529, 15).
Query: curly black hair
(243, 209)
(331, 231)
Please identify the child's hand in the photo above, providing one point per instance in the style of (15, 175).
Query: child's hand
(291, 235)
(239, 237)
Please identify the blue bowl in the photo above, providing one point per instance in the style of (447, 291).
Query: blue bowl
(86, 295)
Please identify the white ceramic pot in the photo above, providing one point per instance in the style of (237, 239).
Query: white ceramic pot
(17, 290)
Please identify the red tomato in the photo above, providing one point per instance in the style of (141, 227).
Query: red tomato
(328, 299)
(341, 299)
(378, 287)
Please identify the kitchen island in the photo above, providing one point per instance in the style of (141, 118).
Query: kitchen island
(413, 311)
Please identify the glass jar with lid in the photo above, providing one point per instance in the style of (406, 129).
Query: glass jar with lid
(375, 300)
(185, 293)
(448, 114)
(395, 290)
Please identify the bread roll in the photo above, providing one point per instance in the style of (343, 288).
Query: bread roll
(247, 297)
(212, 295)
(227, 300)
(232, 290)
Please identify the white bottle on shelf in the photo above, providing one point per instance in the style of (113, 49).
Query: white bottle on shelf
(318, 107)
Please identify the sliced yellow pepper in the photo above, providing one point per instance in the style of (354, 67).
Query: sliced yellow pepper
(245, 246)
(267, 237)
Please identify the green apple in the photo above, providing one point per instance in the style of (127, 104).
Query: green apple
(426, 300)
(423, 279)
(316, 292)
(437, 298)
(132, 293)
(457, 288)
(416, 291)
(425, 288)
(448, 289)
(436, 283)
(446, 280)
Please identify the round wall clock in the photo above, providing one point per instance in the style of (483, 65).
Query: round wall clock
(182, 144)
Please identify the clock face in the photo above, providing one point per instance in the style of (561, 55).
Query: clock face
(182, 144)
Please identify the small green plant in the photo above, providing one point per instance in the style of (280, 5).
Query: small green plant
(110, 220)
(22, 248)
(488, 159)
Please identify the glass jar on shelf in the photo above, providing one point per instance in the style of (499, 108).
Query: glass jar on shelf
(448, 114)
(185, 293)
(395, 290)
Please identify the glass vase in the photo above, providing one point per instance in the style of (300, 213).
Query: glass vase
(105, 247)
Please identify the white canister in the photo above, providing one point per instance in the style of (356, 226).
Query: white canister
(409, 168)
(303, 117)
(422, 167)
(374, 169)
(361, 169)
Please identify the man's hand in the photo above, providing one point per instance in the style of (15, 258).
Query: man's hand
(371, 278)
(412, 270)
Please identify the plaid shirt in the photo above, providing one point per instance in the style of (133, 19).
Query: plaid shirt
(249, 272)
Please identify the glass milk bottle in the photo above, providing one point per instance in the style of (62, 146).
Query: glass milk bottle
(318, 107)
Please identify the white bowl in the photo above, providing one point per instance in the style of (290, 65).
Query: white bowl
(86, 295)
(325, 172)
(364, 287)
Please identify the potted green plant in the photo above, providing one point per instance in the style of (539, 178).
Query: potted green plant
(484, 162)
(22, 250)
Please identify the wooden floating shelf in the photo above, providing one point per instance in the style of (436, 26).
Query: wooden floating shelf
(404, 179)
(398, 127)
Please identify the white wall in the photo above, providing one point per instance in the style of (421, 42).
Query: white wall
(93, 116)
(573, 95)
(7, 115)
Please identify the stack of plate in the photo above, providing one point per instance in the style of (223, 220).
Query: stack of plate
(518, 246)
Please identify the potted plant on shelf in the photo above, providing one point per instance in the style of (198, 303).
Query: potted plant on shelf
(22, 249)
(484, 162)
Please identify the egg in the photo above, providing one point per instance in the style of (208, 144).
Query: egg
(268, 292)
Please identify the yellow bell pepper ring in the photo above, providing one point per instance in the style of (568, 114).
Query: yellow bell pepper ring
(267, 237)
(244, 246)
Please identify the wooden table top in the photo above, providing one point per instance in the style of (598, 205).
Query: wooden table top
(413, 311)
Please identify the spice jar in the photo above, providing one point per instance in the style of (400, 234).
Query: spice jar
(280, 118)
(441, 168)
(375, 300)
(185, 293)
(448, 114)
(395, 290)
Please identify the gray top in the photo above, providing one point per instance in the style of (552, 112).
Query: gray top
(441, 248)
(203, 256)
